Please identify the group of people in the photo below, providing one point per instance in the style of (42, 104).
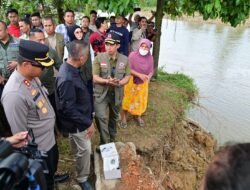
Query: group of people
(229, 170)
(70, 77)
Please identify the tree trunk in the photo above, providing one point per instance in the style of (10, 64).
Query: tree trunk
(157, 42)
(59, 5)
(42, 5)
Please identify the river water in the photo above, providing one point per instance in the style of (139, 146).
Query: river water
(217, 57)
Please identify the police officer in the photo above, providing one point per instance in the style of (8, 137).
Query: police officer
(110, 73)
(26, 104)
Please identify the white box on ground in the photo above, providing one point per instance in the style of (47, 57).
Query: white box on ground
(108, 150)
(111, 164)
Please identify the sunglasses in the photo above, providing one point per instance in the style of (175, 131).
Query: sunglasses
(36, 65)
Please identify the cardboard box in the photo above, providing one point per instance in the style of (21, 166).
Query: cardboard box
(111, 164)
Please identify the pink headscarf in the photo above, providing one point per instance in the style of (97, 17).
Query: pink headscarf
(141, 64)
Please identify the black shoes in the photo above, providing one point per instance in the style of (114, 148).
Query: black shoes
(98, 150)
(86, 186)
(60, 178)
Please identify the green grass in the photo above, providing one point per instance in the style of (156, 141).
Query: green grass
(179, 80)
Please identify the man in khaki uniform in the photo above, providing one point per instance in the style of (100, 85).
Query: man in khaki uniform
(26, 103)
(110, 73)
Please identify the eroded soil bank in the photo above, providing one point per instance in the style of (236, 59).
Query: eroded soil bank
(181, 159)
(176, 150)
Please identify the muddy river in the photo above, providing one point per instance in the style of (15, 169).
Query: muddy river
(217, 57)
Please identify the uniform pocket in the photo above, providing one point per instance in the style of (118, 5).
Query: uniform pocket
(121, 73)
(98, 90)
(104, 70)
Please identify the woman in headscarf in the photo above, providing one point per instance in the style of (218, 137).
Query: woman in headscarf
(136, 91)
(75, 33)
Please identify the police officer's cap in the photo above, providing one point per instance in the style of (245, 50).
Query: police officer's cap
(112, 38)
(35, 52)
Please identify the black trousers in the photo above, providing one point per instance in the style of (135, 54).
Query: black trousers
(51, 161)
(90, 91)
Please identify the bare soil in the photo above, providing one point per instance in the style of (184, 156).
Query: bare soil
(177, 151)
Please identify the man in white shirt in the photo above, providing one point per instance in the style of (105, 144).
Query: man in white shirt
(69, 19)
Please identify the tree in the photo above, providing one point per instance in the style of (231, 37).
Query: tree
(234, 12)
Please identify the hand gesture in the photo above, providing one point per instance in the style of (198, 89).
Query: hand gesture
(90, 131)
(143, 77)
(113, 81)
(18, 140)
(2, 80)
(11, 65)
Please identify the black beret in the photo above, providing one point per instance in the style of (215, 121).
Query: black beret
(35, 52)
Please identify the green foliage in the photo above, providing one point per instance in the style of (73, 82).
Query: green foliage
(180, 80)
(118, 7)
(147, 3)
(173, 8)
(22, 6)
(234, 12)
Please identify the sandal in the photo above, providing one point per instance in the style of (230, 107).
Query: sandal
(123, 124)
(141, 122)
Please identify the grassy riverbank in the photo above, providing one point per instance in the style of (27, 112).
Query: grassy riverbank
(169, 97)
(165, 138)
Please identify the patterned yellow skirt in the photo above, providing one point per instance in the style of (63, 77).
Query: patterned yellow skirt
(135, 97)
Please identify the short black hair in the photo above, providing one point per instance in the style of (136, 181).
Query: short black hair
(141, 18)
(11, 11)
(4, 23)
(230, 169)
(99, 21)
(35, 14)
(27, 15)
(76, 48)
(86, 17)
(93, 12)
(21, 59)
(68, 11)
(35, 30)
(49, 18)
(26, 21)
